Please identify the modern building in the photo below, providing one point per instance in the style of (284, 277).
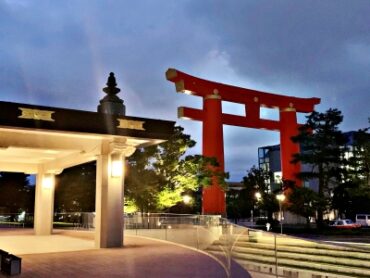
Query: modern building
(269, 160)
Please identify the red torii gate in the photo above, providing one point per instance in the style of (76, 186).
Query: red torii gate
(213, 119)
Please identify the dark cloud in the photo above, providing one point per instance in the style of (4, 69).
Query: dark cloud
(319, 47)
(59, 53)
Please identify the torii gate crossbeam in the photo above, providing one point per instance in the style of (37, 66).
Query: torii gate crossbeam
(213, 119)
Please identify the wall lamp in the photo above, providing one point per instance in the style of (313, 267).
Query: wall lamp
(48, 181)
(116, 165)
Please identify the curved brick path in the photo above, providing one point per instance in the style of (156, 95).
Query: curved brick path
(141, 257)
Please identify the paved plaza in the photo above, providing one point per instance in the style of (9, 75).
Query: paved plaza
(141, 257)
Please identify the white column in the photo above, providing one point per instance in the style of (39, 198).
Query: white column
(109, 196)
(44, 203)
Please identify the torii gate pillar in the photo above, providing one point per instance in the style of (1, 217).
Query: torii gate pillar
(213, 197)
(289, 128)
(213, 119)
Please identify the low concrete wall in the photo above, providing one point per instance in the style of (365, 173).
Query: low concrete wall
(194, 236)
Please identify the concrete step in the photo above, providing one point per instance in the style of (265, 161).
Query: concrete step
(324, 258)
(303, 265)
(292, 253)
(310, 247)
(317, 250)
(262, 270)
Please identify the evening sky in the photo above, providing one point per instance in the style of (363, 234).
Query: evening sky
(59, 53)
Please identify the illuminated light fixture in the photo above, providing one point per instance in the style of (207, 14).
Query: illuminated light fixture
(186, 199)
(116, 166)
(258, 195)
(51, 151)
(187, 92)
(280, 197)
(48, 182)
(185, 118)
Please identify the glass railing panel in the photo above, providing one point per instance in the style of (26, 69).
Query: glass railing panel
(184, 234)
(196, 231)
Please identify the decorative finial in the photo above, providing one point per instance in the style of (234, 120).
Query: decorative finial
(111, 103)
(112, 85)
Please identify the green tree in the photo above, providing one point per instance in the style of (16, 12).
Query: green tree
(174, 174)
(75, 189)
(353, 195)
(359, 201)
(258, 180)
(15, 193)
(303, 201)
(359, 159)
(323, 147)
(142, 182)
(192, 173)
(159, 175)
(238, 204)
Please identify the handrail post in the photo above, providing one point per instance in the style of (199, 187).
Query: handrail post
(197, 227)
(276, 260)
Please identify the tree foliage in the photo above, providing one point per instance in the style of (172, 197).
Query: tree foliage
(238, 203)
(303, 201)
(359, 161)
(323, 147)
(141, 180)
(16, 194)
(353, 195)
(258, 180)
(159, 175)
(75, 189)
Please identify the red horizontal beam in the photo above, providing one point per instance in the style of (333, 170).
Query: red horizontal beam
(243, 121)
(190, 113)
(228, 119)
(201, 87)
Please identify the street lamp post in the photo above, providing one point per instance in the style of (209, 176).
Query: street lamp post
(258, 197)
(280, 198)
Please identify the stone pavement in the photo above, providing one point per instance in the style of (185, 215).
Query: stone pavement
(141, 257)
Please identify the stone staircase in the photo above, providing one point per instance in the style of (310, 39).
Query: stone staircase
(294, 257)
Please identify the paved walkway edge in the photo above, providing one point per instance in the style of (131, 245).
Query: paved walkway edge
(191, 248)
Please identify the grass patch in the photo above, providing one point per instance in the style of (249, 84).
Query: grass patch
(63, 225)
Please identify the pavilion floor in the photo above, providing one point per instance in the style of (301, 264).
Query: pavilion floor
(68, 253)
